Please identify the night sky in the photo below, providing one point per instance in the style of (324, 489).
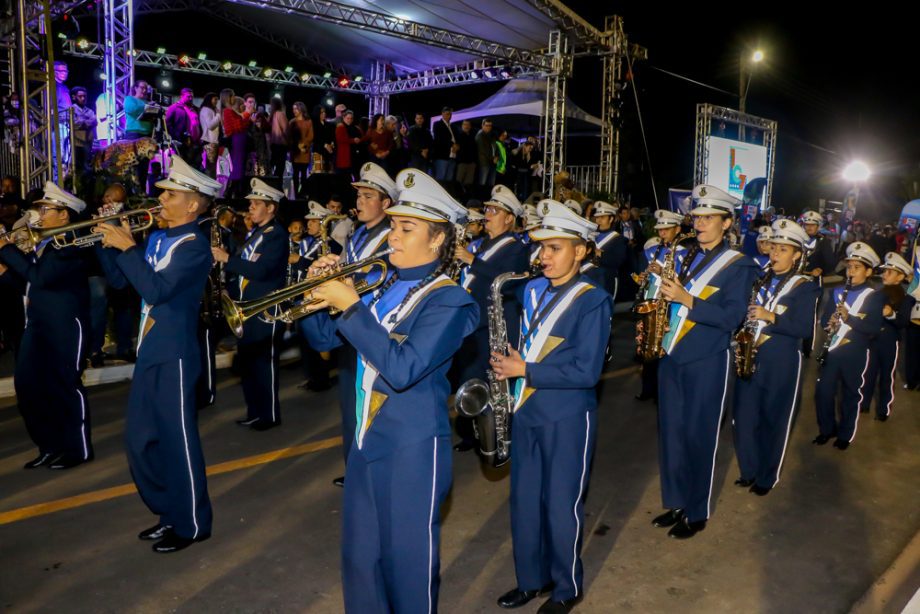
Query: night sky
(840, 87)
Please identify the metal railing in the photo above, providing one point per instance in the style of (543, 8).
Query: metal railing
(586, 177)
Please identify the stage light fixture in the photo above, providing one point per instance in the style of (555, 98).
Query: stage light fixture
(474, 75)
(83, 43)
(305, 77)
(343, 81)
(327, 74)
(330, 101)
(161, 49)
(184, 59)
(358, 79)
(268, 72)
(488, 74)
(288, 69)
(227, 65)
(202, 56)
(505, 74)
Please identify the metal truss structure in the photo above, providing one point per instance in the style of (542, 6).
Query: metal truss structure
(554, 110)
(705, 115)
(372, 21)
(378, 100)
(41, 147)
(574, 25)
(118, 54)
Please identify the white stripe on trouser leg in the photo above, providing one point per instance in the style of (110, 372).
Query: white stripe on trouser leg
(80, 394)
(271, 392)
(207, 347)
(795, 397)
(434, 482)
(188, 456)
(581, 489)
(862, 382)
(715, 446)
(894, 368)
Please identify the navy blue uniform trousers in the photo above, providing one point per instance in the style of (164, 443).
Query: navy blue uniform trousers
(883, 361)
(50, 393)
(691, 400)
(390, 508)
(258, 359)
(764, 407)
(161, 425)
(545, 524)
(845, 368)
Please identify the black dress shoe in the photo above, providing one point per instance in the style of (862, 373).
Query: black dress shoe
(155, 533)
(340, 482)
(820, 440)
(669, 518)
(840, 444)
(515, 598)
(686, 529)
(744, 482)
(264, 425)
(761, 491)
(42, 459)
(464, 446)
(174, 543)
(557, 607)
(247, 421)
(67, 462)
(881, 418)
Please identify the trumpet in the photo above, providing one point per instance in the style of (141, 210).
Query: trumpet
(26, 238)
(138, 219)
(237, 312)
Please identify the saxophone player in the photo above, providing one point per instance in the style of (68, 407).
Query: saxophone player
(564, 331)
(654, 253)
(780, 317)
(260, 266)
(885, 348)
(708, 300)
(852, 318)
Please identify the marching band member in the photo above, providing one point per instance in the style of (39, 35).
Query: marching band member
(399, 469)
(311, 244)
(764, 405)
(885, 347)
(654, 252)
(564, 330)
(260, 266)
(854, 315)
(474, 231)
(820, 261)
(574, 205)
(50, 362)
(500, 252)
(161, 430)
(764, 238)
(611, 245)
(531, 221)
(708, 302)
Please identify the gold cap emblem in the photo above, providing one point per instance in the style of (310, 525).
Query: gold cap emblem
(702, 191)
(409, 181)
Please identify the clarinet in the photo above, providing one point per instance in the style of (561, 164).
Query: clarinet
(834, 324)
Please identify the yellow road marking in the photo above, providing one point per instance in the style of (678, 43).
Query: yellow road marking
(105, 494)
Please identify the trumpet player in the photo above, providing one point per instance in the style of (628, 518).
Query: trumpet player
(852, 318)
(161, 429)
(709, 300)
(399, 468)
(260, 267)
(780, 317)
(50, 360)
(885, 347)
(500, 252)
(654, 253)
(565, 326)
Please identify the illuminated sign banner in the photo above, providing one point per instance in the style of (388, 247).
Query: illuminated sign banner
(734, 165)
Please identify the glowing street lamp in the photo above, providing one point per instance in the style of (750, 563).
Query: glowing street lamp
(857, 171)
(757, 57)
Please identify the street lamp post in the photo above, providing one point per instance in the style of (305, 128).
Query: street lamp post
(745, 74)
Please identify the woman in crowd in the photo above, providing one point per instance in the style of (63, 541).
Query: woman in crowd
(300, 136)
(278, 139)
(235, 125)
(210, 131)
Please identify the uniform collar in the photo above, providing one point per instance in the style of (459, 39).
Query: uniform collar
(183, 229)
(418, 272)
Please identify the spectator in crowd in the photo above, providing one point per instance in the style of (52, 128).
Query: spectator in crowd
(278, 139)
(183, 126)
(420, 142)
(340, 113)
(466, 156)
(64, 101)
(501, 160)
(380, 143)
(156, 174)
(347, 137)
(485, 151)
(135, 127)
(10, 201)
(209, 120)
(444, 147)
(301, 137)
(524, 163)
(323, 141)
(236, 125)
(84, 128)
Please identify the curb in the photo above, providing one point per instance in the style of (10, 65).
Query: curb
(896, 587)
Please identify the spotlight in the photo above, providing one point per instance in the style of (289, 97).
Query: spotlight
(330, 102)
(164, 80)
(252, 64)
(488, 74)
(268, 72)
(83, 43)
(505, 74)
(474, 75)
(165, 83)
(202, 56)
(227, 65)
(359, 79)
(305, 77)
(161, 50)
(101, 76)
(343, 81)
(327, 74)
(184, 59)
(288, 69)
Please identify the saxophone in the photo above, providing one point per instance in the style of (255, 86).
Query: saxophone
(491, 404)
(834, 324)
(653, 313)
(217, 278)
(746, 337)
(324, 232)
